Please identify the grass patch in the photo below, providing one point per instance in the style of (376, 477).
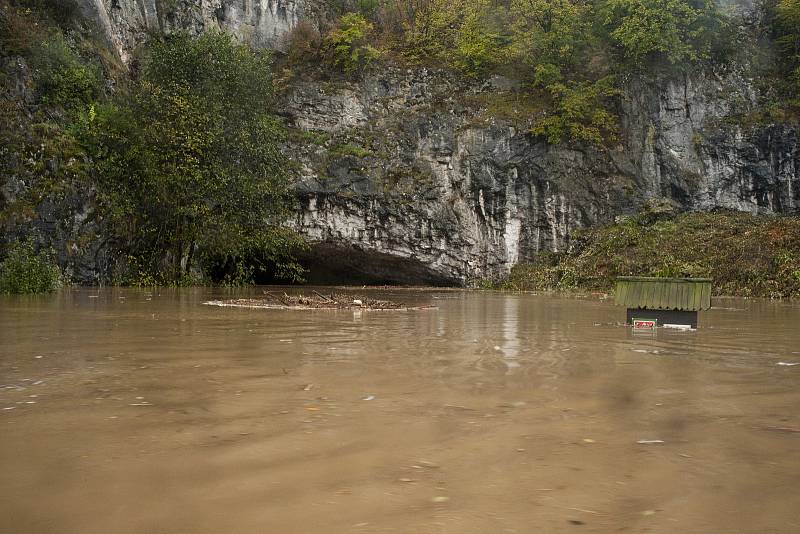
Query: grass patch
(348, 149)
(746, 255)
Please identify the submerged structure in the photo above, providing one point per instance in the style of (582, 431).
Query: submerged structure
(660, 301)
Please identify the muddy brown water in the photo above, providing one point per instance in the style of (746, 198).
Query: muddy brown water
(138, 411)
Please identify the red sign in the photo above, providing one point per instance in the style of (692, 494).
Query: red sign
(644, 324)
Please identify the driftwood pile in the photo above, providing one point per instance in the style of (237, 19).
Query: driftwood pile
(333, 301)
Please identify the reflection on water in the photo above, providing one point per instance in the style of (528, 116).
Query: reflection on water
(127, 411)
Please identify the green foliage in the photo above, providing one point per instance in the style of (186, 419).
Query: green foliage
(26, 271)
(62, 78)
(787, 30)
(552, 32)
(349, 149)
(675, 31)
(569, 53)
(187, 175)
(423, 29)
(347, 45)
(479, 43)
(579, 112)
(37, 104)
(744, 254)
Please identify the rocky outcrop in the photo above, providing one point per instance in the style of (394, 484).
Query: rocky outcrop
(401, 163)
(126, 23)
(407, 176)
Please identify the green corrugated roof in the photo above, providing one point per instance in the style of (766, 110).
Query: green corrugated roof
(687, 294)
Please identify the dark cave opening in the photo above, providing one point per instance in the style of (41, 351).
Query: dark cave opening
(332, 264)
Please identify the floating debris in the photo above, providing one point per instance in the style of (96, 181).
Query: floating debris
(368, 398)
(682, 327)
(650, 441)
(788, 364)
(788, 429)
(317, 301)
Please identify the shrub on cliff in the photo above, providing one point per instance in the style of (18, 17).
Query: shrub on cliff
(24, 270)
(188, 167)
(347, 45)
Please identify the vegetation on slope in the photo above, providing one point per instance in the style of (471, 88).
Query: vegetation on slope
(185, 181)
(573, 56)
(745, 254)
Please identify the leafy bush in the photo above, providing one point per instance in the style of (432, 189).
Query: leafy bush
(579, 112)
(305, 44)
(62, 78)
(25, 271)
(347, 45)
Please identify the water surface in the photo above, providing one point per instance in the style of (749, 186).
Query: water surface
(140, 411)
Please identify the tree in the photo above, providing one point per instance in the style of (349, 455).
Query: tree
(189, 167)
(479, 42)
(787, 27)
(675, 31)
(551, 32)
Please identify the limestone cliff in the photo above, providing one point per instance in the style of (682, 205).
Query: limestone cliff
(259, 22)
(404, 175)
(404, 163)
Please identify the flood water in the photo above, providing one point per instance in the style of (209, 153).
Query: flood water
(142, 411)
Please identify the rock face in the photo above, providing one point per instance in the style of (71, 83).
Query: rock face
(403, 163)
(405, 176)
(259, 22)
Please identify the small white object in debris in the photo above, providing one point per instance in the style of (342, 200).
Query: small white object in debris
(368, 397)
(358, 302)
(649, 441)
(787, 364)
(679, 326)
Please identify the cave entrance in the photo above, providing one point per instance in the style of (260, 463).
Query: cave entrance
(330, 264)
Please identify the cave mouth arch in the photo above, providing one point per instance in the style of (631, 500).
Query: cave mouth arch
(336, 264)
